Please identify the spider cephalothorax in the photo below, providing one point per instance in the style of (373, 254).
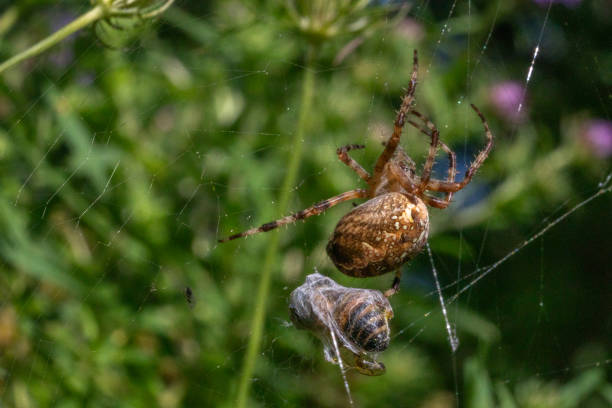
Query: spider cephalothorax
(392, 226)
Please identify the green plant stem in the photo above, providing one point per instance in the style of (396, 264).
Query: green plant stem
(91, 16)
(271, 255)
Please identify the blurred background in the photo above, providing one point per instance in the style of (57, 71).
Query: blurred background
(129, 149)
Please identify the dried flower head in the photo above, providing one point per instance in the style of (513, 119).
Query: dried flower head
(123, 17)
(320, 20)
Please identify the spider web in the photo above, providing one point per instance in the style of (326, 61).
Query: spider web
(120, 175)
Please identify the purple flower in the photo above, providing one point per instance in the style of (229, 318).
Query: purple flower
(59, 19)
(566, 3)
(571, 3)
(597, 135)
(411, 29)
(86, 78)
(62, 55)
(506, 97)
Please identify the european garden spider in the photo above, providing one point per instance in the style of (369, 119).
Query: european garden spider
(390, 228)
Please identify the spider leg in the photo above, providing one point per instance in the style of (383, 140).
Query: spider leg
(395, 285)
(316, 209)
(452, 172)
(452, 159)
(368, 367)
(393, 141)
(446, 186)
(342, 153)
(436, 202)
(434, 134)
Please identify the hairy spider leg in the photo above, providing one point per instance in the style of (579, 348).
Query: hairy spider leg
(395, 285)
(442, 203)
(431, 157)
(394, 140)
(452, 168)
(316, 209)
(452, 172)
(445, 186)
(342, 153)
(452, 158)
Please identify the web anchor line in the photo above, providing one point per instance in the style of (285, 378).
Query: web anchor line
(342, 369)
(604, 187)
(536, 51)
(452, 335)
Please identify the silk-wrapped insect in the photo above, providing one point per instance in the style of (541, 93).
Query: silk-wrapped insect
(353, 319)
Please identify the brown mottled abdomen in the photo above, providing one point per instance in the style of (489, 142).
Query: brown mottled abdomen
(379, 235)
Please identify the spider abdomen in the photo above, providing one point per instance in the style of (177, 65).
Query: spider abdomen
(379, 235)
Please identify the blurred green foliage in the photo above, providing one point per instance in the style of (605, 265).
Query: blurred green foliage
(122, 167)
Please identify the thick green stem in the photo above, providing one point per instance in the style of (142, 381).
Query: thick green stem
(91, 16)
(259, 314)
